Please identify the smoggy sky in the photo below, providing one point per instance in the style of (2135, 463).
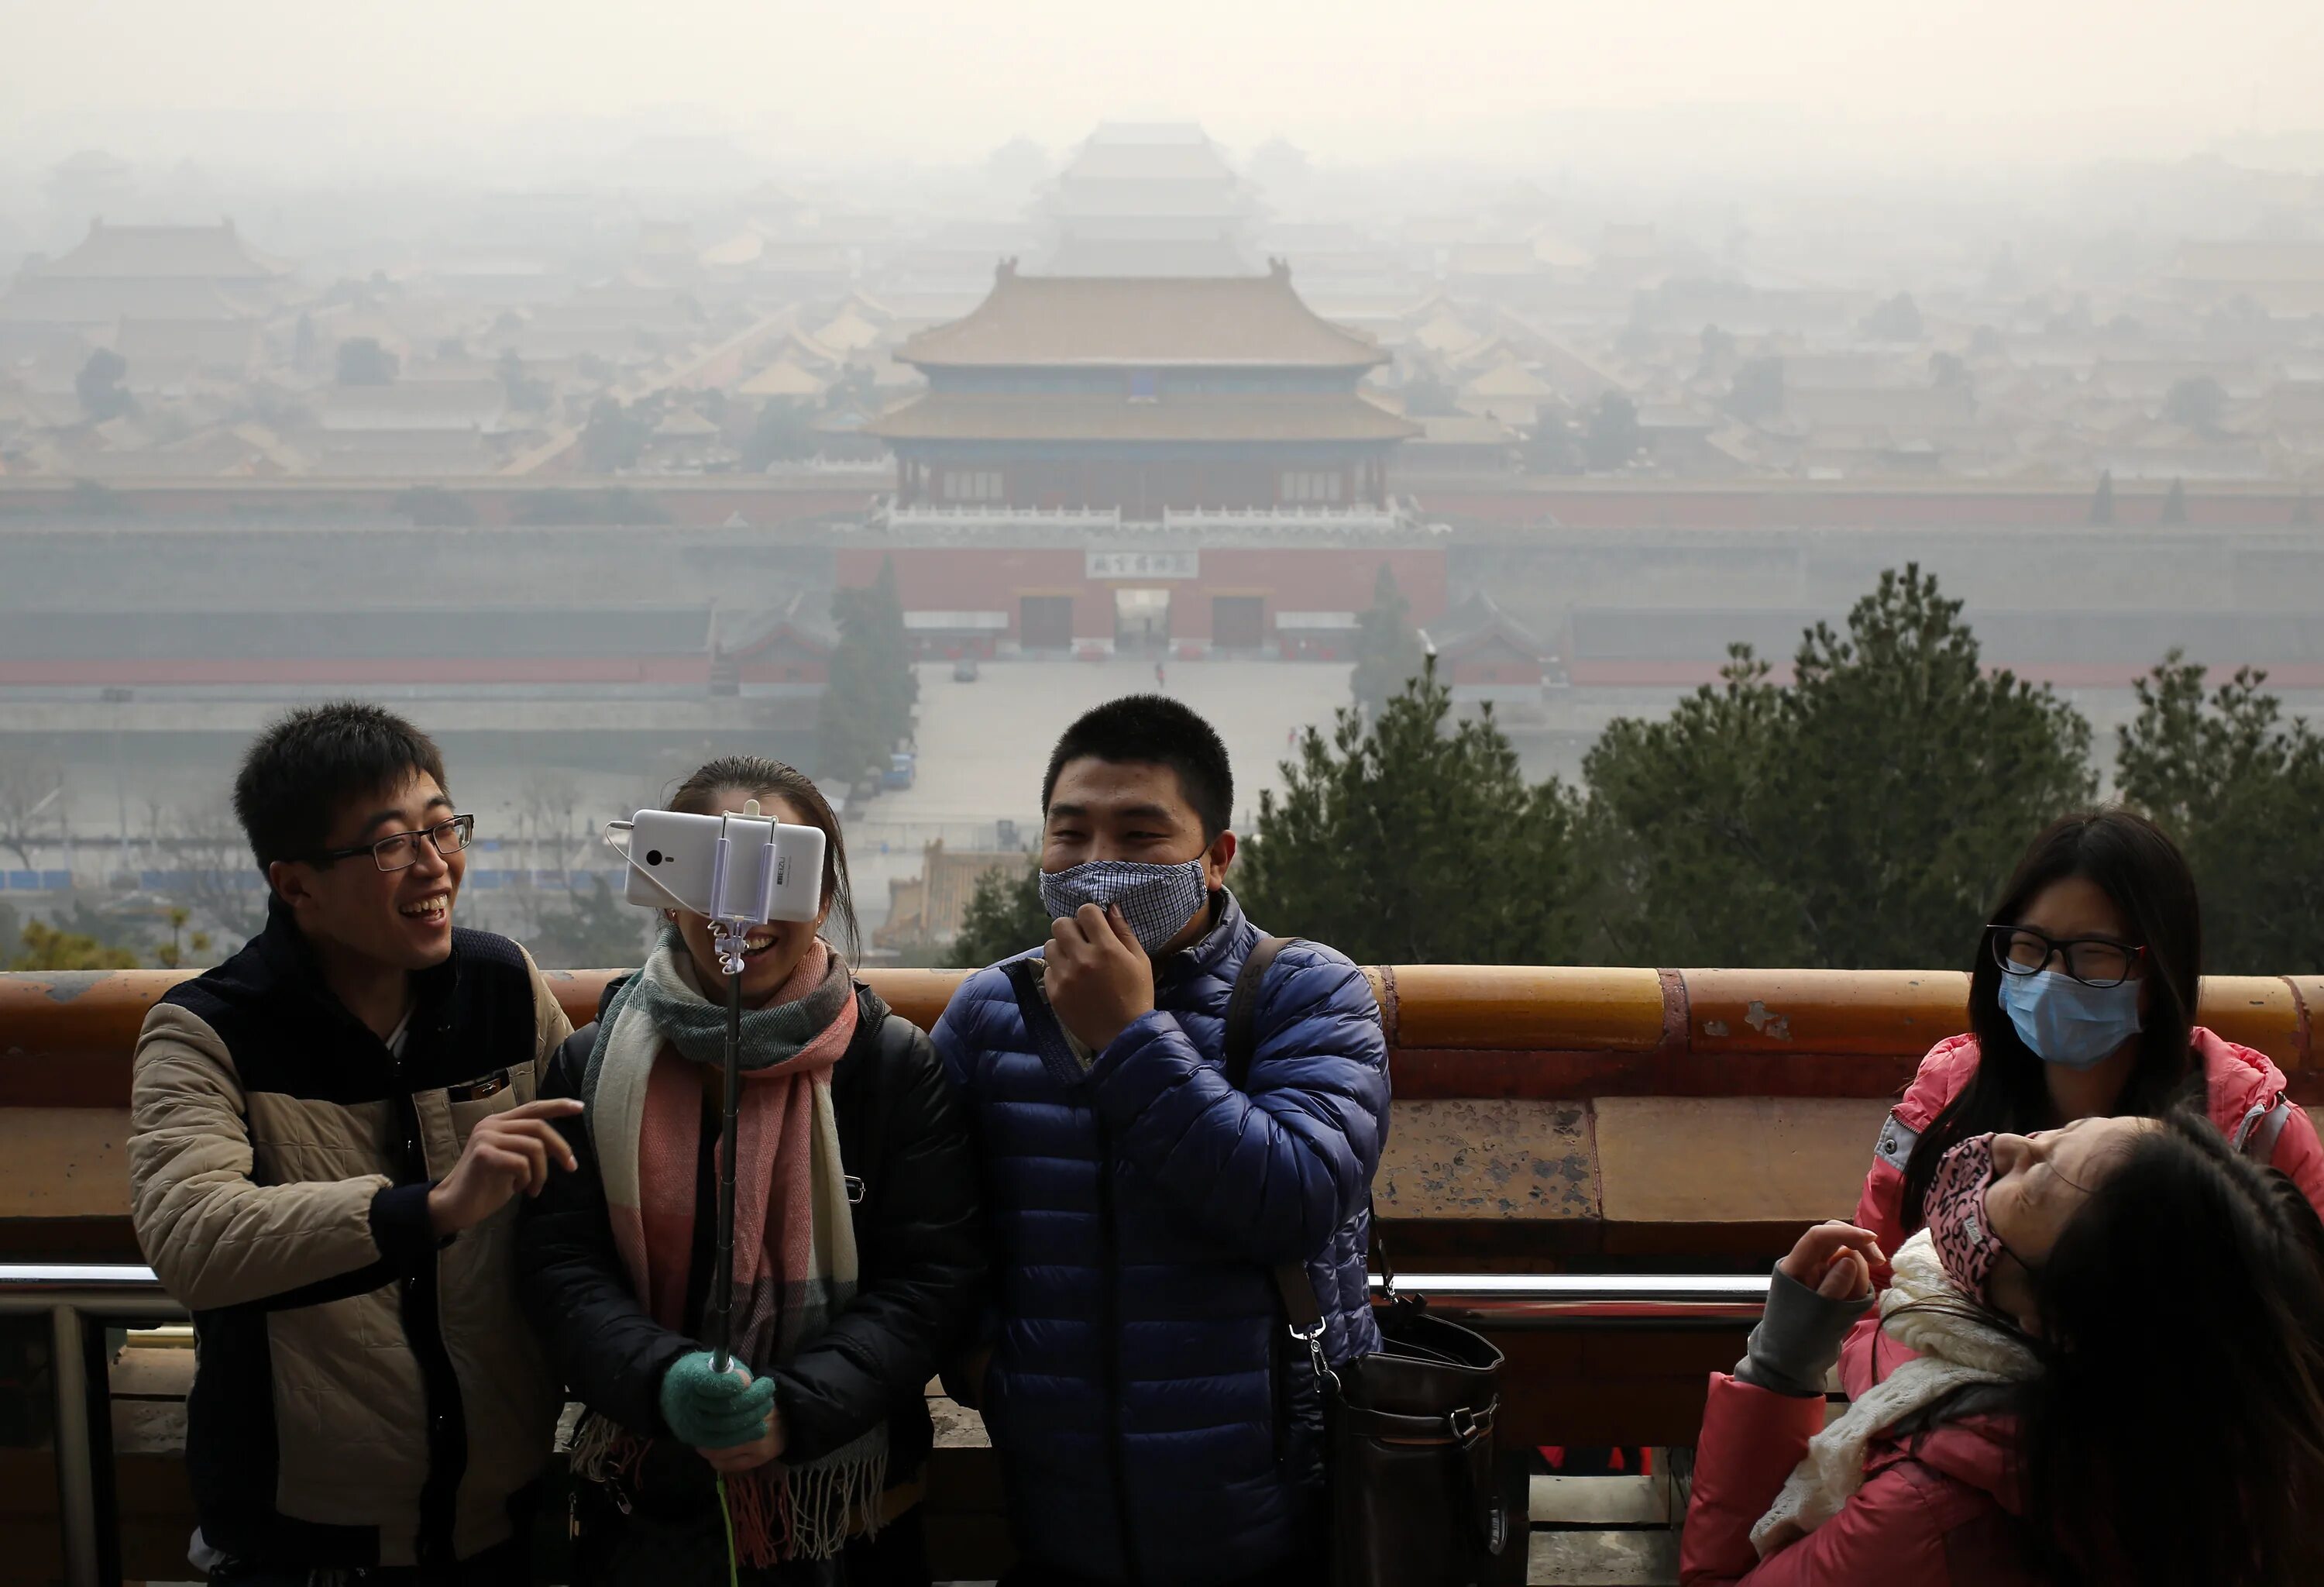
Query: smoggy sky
(1348, 80)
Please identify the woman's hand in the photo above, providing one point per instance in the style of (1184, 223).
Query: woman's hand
(711, 1409)
(751, 1456)
(1835, 1260)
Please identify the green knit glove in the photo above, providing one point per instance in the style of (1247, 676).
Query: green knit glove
(710, 1410)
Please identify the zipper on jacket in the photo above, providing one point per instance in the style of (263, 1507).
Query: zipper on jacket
(447, 1429)
(1110, 1319)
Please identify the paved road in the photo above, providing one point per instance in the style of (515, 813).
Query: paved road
(983, 745)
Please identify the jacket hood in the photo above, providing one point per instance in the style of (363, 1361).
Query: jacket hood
(2236, 1079)
(1978, 1451)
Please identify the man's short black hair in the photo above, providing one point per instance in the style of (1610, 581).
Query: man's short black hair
(305, 767)
(1153, 730)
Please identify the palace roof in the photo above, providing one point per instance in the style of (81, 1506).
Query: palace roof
(1214, 254)
(1284, 416)
(1034, 321)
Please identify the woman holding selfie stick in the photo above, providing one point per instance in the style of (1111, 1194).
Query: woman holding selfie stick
(857, 1255)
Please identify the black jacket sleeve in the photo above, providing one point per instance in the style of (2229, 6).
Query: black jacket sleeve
(921, 1262)
(572, 1287)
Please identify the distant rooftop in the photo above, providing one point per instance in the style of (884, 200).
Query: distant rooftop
(1149, 200)
(2251, 262)
(1121, 151)
(164, 253)
(416, 406)
(40, 298)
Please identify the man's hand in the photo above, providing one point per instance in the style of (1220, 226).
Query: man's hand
(506, 1153)
(1835, 1260)
(1099, 979)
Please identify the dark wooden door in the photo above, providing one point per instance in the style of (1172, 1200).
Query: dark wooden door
(1238, 623)
(1045, 623)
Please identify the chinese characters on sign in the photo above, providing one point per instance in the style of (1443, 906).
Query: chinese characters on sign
(1142, 564)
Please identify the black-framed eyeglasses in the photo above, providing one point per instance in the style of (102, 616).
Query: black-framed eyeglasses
(399, 851)
(2094, 961)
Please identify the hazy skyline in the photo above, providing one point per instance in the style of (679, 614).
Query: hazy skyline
(1501, 82)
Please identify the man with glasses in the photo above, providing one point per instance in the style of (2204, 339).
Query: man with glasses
(328, 1133)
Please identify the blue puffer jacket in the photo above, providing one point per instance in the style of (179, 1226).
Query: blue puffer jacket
(1155, 1427)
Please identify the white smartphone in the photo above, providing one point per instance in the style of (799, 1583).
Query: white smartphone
(671, 856)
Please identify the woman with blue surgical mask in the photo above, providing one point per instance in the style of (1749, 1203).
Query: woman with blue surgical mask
(2081, 1002)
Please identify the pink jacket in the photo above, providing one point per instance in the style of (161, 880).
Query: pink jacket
(2246, 1102)
(1935, 1510)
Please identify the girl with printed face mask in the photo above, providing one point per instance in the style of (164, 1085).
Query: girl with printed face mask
(2079, 1299)
(2082, 992)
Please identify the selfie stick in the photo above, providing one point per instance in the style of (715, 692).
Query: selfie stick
(730, 919)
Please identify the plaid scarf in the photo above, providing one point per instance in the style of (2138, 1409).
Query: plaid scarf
(661, 1043)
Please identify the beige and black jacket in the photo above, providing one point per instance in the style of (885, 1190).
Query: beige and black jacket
(365, 1394)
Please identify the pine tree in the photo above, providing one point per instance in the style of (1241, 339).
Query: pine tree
(2238, 788)
(53, 948)
(868, 698)
(1859, 817)
(1004, 918)
(1388, 647)
(2102, 502)
(891, 646)
(1412, 839)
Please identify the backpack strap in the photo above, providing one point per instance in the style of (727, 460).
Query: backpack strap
(1300, 1308)
(1242, 1043)
(1041, 1025)
(2260, 1130)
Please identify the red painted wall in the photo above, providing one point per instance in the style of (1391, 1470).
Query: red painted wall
(357, 672)
(762, 504)
(787, 669)
(1775, 506)
(1500, 669)
(1578, 504)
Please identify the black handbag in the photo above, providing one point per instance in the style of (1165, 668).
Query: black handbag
(1417, 1496)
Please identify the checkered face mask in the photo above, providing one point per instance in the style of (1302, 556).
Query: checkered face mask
(1968, 1249)
(1157, 900)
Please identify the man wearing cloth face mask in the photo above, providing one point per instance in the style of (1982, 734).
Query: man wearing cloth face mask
(1153, 1425)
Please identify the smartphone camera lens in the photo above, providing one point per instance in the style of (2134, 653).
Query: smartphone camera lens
(653, 856)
